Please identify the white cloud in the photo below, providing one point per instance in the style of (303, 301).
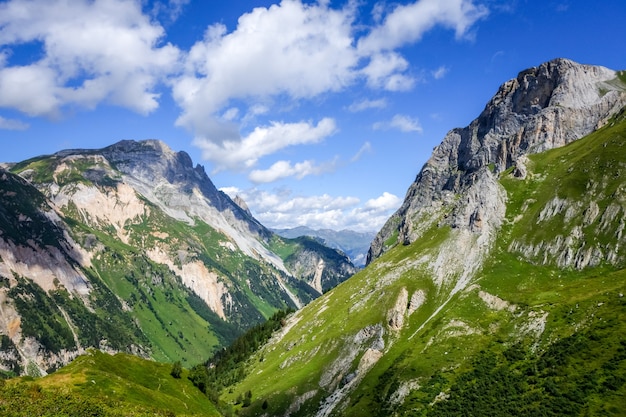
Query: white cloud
(440, 72)
(231, 114)
(281, 209)
(92, 52)
(400, 122)
(385, 71)
(407, 23)
(284, 169)
(292, 51)
(12, 124)
(406, 123)
(300, 50)
(236, 154)
(366, 104)
(95, 51)
(386, 201)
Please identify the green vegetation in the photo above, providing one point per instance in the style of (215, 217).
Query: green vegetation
(19, 200)
(41, 318)
(582, 374)
(228, 366)
(98, 384)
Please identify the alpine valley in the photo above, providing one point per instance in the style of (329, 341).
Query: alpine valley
(496, 289)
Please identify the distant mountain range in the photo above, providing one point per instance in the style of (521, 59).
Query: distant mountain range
(354, 244)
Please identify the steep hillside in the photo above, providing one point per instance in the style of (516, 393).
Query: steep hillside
(497, 289)
(130, 248)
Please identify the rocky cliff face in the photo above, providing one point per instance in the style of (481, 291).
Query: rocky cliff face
(132, 248)
(543, 108)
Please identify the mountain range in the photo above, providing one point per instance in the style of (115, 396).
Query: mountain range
(497, 288)
(132, 249)
(354, 244)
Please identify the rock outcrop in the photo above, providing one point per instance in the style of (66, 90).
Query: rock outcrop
(545, 107)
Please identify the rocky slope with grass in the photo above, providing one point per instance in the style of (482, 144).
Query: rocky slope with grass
(496, 289)
(542, 108)
(131, 248)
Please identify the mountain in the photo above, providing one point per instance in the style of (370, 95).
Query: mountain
(498, 286)
(132, 249)
(354, 244)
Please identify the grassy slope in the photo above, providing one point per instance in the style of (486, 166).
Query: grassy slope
(571, 301)
(104, 385)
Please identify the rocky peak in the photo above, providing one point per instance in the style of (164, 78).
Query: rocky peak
(242, 203)
(152, 160)
(544, 107)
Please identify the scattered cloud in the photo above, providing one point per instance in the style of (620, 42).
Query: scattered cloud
(407, 23)
(440, 72)
(92, 52)
(12, 124)
(297, 50)
(241, 154)
(226, 84)
(366, 104)
(284, 169)
(400, 122)
(281, 209)
(385, 71)
(301, 51)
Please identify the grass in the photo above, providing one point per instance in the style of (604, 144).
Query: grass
(106, 385)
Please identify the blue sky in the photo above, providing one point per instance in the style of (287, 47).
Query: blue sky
(318, 113)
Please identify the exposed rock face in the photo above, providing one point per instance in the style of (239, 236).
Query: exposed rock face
(544, 107)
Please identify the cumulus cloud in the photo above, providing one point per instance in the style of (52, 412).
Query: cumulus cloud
(386, 201)
(172, 9)
(92, 51)
(400, 122)
(113, 51)
(281, 209)
(12, 124)
(300, 50)
(385, 71)
(284, 169)
(240, 154)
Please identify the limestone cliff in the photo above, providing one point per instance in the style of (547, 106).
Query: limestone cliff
(545, 107)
